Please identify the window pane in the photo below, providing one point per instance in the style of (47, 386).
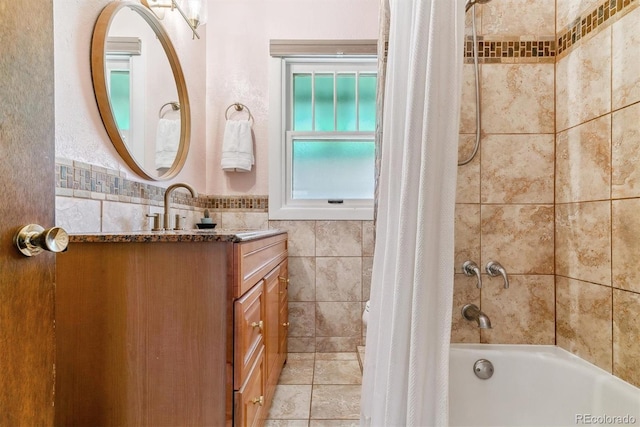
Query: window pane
(302, 113)
(333, 169)
(346, 100)
(120, 98)
(324, 102)
(367, 102)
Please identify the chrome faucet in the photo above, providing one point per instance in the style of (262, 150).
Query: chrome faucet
(495, 269)
(470, 268)
(167, 201)
(472, 312)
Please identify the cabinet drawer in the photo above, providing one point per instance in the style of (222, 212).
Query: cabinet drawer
(250, 399)
(249, 324)
(254, 259)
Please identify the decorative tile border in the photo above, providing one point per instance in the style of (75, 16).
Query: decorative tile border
(591, 22)
(86, 181)
(507, 50)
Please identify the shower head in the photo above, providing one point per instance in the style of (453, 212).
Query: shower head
(471, 3)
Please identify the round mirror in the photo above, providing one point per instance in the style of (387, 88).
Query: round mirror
(140, 90)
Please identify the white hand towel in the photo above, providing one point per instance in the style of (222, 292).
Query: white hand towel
(167, 142)
(237, 146)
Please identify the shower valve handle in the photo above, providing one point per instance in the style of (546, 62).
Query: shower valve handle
(470, 268)
(495, 269)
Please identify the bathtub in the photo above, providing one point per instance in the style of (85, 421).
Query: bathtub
(536, 386)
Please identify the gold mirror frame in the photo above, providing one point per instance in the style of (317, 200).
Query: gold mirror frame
(98, 50)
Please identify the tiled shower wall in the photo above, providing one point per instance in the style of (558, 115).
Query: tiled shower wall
(556, 203)
(598, 185)
(505, 196)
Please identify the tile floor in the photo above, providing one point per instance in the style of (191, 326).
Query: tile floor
(317, 390)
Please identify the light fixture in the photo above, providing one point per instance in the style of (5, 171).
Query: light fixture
(194, 12)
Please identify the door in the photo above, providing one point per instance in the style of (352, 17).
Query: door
(26, 196)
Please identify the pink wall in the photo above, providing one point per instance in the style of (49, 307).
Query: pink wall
(228, 64)
(80, 134)
(238, 35)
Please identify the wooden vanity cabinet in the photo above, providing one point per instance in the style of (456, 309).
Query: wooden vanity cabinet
(169, 333)
(260, 278)
(141, 332)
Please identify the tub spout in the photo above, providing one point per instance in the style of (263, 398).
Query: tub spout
(472, 312)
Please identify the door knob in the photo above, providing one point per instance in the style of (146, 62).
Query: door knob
(32, 239)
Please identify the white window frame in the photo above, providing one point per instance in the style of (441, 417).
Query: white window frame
(281, 205)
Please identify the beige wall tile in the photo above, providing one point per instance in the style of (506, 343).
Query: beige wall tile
(79, 215)
(464, 292)
(367, 268)
(251, 220)
(333, 344)
(302, 317)
(302, 278)
(520, 237)
(583, 241)
(583, 162)
(522, 314)
(583, 82)
(338, 319)
(569, 10)
(467, 235)
(625, 242)
(338, 238)
(517, 169)
(519, 17)
(468, 183)
(583, 320)
(626, 60)
(124, 217)
(338, 279)
(625, 155)
(368, 238)
(626, 330)
(517, 98)
(302, 236)
(301, 345)
(468, 100)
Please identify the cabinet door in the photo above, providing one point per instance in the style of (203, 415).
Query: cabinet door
(248, 330)
(250, 403)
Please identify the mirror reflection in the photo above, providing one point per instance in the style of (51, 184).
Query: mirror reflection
(145, 105)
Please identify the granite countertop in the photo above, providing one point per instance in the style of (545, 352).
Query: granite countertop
(215, 235)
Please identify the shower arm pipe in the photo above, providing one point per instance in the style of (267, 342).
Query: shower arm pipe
(472, 5)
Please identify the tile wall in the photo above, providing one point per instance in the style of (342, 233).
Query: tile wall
(554, 193)
(330, 276)
(597, 185)
(505, 196)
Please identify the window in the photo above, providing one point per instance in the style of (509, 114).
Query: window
(322, 150)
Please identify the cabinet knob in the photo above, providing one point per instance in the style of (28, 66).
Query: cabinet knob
(258, 400)
(283, 279)
(286, 324)
(259, 324)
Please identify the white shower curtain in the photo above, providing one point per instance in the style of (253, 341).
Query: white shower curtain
(406, 371)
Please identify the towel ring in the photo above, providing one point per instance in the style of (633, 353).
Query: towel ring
(238, 107)
(175, 106)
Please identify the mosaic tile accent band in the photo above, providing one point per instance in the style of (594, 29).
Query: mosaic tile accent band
(83, 180)
(590, 22)
(507, 50)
